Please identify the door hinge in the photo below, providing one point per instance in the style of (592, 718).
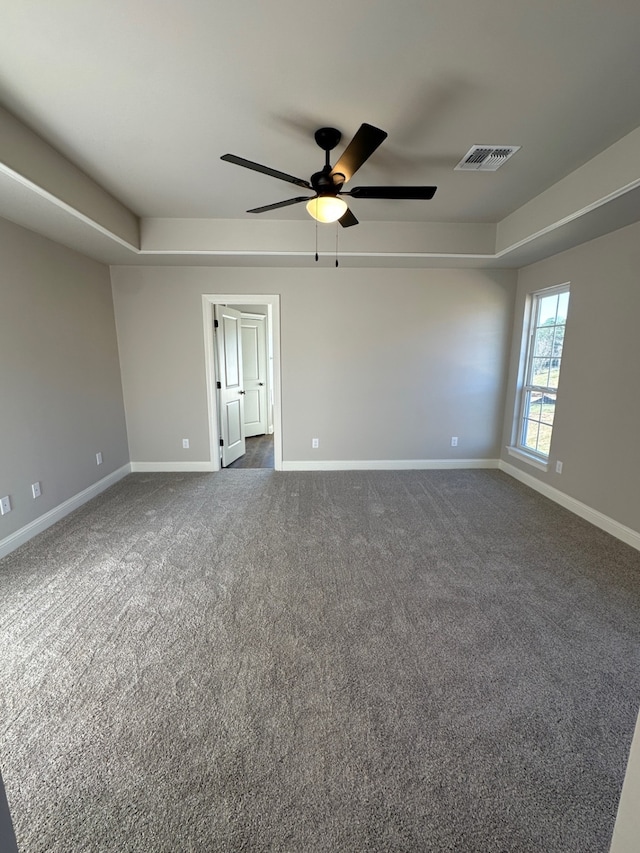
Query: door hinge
(218, 385)
(215, 324)
(222, 442)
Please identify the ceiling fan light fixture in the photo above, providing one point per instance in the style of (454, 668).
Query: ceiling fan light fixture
(326, 208)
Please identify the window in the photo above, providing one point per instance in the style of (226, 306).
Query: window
(542, 371)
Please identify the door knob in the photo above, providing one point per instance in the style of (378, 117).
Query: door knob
(260, 383)
(242, 392)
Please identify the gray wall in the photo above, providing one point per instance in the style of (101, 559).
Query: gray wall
(7, 836)
(598, 410)
(60, 391)
(627, 828)
(378, 364)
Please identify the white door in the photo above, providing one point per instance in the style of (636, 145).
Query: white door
(254, 371)
(230, 390)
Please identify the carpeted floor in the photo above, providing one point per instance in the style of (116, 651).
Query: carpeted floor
(348, 661)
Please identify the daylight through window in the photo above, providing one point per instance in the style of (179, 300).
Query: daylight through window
(544, 359)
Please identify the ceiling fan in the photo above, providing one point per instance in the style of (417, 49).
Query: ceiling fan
(326, 205)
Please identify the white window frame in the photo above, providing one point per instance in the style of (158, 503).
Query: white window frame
(537, 458)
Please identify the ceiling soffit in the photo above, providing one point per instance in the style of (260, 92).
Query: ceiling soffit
(44, 191)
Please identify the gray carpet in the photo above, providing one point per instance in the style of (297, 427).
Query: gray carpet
(366, 661)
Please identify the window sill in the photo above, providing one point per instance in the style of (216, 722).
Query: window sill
(529, 458)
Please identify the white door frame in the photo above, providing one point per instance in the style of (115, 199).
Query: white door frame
(273, 328)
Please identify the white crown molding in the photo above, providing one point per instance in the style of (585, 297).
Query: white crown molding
(65, 207)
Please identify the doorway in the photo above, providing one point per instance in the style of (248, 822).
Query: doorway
(262, 449)
(258, 453)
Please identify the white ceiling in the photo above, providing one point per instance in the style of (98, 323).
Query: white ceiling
(145, 95)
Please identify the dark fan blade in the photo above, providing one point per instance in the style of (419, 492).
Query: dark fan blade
(393, 192)
(278, 204)
(348, 219)
(257, 167)
(358, 151)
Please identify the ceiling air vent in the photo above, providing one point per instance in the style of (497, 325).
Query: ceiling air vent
(486, 158)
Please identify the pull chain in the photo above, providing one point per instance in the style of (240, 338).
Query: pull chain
(316, 241)
(337, 230)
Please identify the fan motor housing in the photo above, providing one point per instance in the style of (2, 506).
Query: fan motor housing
(324, 183)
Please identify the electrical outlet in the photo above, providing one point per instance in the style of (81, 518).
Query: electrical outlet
(98, 458)
(5, 505)
(36, 491)
(454, 441)
(315, 443)
(185, 443)
(558, 467)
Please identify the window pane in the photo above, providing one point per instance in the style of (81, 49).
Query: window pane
(547, 408)
(543, 345)
(540, 374)
(544, 439)
(530, 438)
(532, 405)
(554, 373)
(548, 309)
(563, 307)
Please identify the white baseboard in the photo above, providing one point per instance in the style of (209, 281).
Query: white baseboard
(170, 467)
(609, 525)
(387, 464)
(14, 540)
(604, 522)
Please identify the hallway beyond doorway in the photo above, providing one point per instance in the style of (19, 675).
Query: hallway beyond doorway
(258, 454)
